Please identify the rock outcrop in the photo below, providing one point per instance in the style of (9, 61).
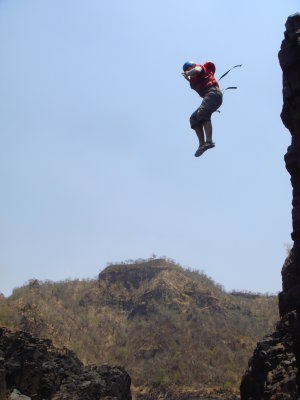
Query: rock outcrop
(273, 371)
(35, 368)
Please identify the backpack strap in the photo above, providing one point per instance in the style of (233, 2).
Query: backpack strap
(229, 87)
(239, 65)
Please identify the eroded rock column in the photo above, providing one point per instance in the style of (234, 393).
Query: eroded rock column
(273, 371)
(289, 58)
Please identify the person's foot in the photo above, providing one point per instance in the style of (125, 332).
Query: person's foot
(201, 149)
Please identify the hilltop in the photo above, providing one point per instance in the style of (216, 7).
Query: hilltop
(168, 326)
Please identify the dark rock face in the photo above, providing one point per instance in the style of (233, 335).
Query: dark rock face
(289, 57)
(38, 370)
(130, 275)
(273, 371)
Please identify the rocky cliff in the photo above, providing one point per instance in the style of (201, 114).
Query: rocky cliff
(35, 368)
(273, 371)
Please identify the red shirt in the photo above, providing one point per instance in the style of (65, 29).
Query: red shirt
(205, 79)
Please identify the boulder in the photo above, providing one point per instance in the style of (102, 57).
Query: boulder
(41, 371)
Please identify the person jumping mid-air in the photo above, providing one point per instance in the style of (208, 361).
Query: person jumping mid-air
(202, 80)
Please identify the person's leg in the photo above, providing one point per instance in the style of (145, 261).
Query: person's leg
(201, 137)
(210, 103)
(208, 130)
(200, 134)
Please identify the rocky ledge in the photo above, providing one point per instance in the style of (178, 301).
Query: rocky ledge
(273, 371)
(35, 368)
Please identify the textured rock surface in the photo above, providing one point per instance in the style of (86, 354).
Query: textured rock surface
(289, 57)
(273, 371)
(16, 395)
(201, 394)
(38, 370)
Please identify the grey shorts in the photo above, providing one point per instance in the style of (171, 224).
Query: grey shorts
(212, 100)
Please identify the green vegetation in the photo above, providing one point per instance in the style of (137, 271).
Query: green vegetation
(168, 326)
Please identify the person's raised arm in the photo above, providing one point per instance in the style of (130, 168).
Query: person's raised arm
(194, 71)
(185, 76)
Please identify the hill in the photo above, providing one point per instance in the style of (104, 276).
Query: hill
(168, 326)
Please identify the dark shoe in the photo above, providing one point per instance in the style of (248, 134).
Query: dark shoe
(201, 149)
(209, 145)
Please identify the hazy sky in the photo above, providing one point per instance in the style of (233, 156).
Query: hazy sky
(96, 153)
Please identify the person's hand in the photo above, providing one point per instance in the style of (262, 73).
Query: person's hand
(185, 76)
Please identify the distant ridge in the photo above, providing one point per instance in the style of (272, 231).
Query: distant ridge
(170, 327)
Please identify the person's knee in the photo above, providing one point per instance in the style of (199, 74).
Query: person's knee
(193, 121)
(196, 125)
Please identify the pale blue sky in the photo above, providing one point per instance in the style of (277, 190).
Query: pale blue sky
(96, 153)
